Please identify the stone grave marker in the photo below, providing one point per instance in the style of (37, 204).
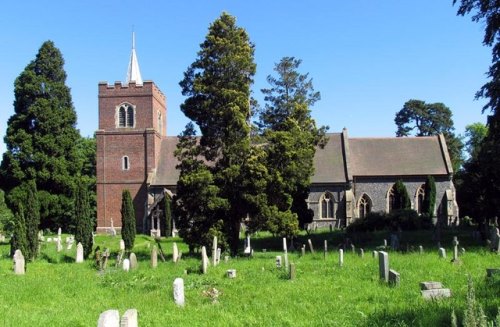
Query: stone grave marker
(214, 251)
(179, 292)
(59, 244)
(133, 261)
(292, 271)
(278, 261)
(105, 256)
(129, 319)
(385, 243)
(361, 252)
(310, 245)
(341, 257)
(394, 278)
(69, 245)
(325, 249)
(353, 248)
(434, 290)
(204, 260)
(226, 259)
(219, 252)
(126, 264)
(383, 265)
(154, 257)
(248, 248)
(19, 262)
(231, 273)
(375, 254)
(175, 253)
(109, 318)
(122, 245)
(421, 249)
(79, 253)
(285, 253)
(455, 249)
(462, 251)
(442, 253)
(303, 250)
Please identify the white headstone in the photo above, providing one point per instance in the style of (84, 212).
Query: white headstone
(19, 263)
(126, 264)
(59, 244)
(341, 257)
(154, 257)
(133, 261)
(175, 252)
(285, 253)
(231, 273)
(204, 260)
(110, 318)
(122, 245)
(49, 239)
(59, 232)
(214, 251)
(219, 252)
(383, 265)
(248, 248)
(179, 291)
(129, 319)
(79, 253)
(70, 245)
(442, 253)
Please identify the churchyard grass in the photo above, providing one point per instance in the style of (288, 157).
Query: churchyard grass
(55, 291)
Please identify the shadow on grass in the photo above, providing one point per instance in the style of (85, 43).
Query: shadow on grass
(422, 316)
(57, 259)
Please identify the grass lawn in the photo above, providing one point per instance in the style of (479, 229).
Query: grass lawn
(58, 292)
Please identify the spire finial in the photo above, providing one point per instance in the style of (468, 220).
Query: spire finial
(133, 73)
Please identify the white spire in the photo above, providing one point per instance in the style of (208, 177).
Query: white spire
(133, 72)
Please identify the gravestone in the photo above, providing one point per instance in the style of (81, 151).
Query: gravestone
(455, 249)
(494, 238)
(59, 244)
(59, 232)
(105, 257)
(175, 253)
(361, 253)
(112, 230)
(285, 252)
(303, 250)
(442, 253)
(126, 264)
(434, 290)
(231, 273)
(247, 248)
(179, 291)
(154, 257)
(383, 265)
(325, 249)
(226, 259)
(462, 251)
(133, 261)
(353, 248)
(122, 245)
(204, 260)
(375, 254)
(421, 249)
(310, 245)
(109, 318)
(129, 319)
(292, 271)
(19, 262)
(341, 257)
(79, 253)
(70, 244)
(385, 243)
(394, 278)
(214, 251)
(278, 261)
(219, 252)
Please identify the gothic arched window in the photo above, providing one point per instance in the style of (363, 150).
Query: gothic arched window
(122, 114)
(420, 199)
(126, 116)
(391, 200)
(130, 116)
(365, 206)
(327, 206)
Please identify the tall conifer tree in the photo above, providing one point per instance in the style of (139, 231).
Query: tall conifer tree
(128, 220)
(83, 219)
(18, 240)
(429, 197)
(32, 218)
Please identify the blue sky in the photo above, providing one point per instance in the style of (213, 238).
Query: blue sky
(367, 58)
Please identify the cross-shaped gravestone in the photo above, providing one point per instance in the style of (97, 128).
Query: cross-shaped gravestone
(455, 249)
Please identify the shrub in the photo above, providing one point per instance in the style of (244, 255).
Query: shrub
(83, 219)
(128, 220)
(406, 219)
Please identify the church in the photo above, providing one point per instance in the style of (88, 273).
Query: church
(353, 176)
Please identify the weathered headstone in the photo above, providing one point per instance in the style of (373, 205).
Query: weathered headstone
(325, 249)
(462, 251)
(109, 318)
(19, 262)
(455, 249)
(175, 252)
(214, 251)
(226, 259)
(126, 264)
(375, 254)
(133, 261)
(436, 293)
(285, 253)
(421, 249)
(394, 278)
(303, 250)
(231, 273)
(204, 260)
(122, 245)
(59, 232)
(341, 257)
(361, 252)
(383, 265)
(442, 253)
(59, 244)
(385, 243)
(310, 245)
(292, 271)
(69, 245)
(248, 248)
(219, 252)
(179, 291)
(353, 248)
(430, 285)
(154, 257)
(278, 261)
(79, 253)
(129, 319)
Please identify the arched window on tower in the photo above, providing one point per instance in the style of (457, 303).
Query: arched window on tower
(125, 163)
(327, 205)
(122, 117)
(391, 199)
(420, 199)
(126, 115)
(130, 116)
(364, 206)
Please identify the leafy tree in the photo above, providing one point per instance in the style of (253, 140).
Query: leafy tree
(41, 136)
(217, 87)
(18, 240)
(83, 219)
(6, 217)
(475, 134)
(401, 197)
(426, 119)
(291, 138)
(128, 220)
(85, 151)
(429, 202)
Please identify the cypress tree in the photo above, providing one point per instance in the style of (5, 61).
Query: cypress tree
(128, 220)
(401, 197)
(32, 217)
(429, 197)
(168, 215)
(83, 219)
(18, 240)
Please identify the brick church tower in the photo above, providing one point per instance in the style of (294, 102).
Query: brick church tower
(132, 125)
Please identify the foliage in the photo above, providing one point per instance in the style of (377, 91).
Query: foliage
(473, 314)
(429, 202)
(85, 151)
(32, 218)
(168, 215)
(83, 219)
(6, 217)
(18, 240)
(291, 137)
(401, 197)
(426, 119)
(475, 134)
(41, 135)
(217, 87)
(406, 219)
(128, 220)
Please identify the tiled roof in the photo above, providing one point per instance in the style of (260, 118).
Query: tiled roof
(329, 162)
(166, 173)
